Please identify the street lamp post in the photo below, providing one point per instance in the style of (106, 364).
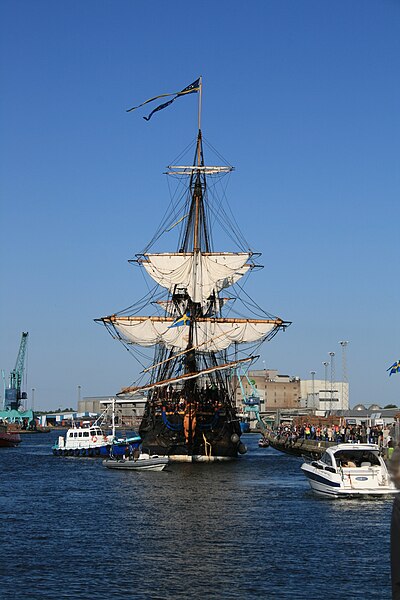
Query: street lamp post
(326, 365)
(79, 396)
(312, 373)
(332, 355)
(33, 399)
(345, 388)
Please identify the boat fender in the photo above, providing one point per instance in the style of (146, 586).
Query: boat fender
(242, 448)
(235, 438)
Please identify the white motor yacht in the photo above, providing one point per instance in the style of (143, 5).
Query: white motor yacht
(349, 470)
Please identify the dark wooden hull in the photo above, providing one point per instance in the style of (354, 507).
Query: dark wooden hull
(216, 436)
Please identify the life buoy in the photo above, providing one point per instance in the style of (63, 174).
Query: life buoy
(94, 439)
(105, 438)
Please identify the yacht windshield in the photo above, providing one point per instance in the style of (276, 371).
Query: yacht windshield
(357, 458)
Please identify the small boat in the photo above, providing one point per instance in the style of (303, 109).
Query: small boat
(92, 440)
(83, 441)
(8, 437)
(349, 470)
(263, 442)
(144, 462)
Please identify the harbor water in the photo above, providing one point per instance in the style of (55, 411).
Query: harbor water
(248, 529)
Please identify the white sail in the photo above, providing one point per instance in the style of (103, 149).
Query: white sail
(199, 273)
(210, 335)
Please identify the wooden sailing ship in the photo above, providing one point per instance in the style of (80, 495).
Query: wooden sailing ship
(190, 414)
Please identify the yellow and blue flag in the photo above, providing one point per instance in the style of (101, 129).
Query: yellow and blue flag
(190, 89)
(395, 368)
(183, 320)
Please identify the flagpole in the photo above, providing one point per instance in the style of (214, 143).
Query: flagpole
(200, 98)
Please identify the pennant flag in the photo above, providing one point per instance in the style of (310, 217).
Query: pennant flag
(190, 89)
(183, 320)
(395, 368)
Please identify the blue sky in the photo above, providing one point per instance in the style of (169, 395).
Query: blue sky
(303, 97)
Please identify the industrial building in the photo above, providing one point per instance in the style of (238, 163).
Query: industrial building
(274, 390)
(320, 394)
(128, 409)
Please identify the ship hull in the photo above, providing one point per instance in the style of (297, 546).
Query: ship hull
(215, 438)
(9, 439)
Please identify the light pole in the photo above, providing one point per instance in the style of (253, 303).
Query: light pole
(332, 355)
(79, 396)
(345, 389)
(326, 365)
(33, 399)
(312, 373)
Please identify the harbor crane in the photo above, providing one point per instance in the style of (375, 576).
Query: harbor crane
(251, 402)
(13, 394)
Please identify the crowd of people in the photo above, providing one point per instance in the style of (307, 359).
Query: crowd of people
(376, 434)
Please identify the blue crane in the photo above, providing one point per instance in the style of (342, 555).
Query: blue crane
(251, 402)
(13, 394)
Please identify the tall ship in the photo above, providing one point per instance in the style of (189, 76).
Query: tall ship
(201, 340)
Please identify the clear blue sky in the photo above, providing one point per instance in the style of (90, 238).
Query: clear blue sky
(302, 96)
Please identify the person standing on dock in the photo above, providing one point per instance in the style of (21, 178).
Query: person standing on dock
(394, 468)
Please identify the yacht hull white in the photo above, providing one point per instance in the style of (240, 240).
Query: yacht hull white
(349, 470)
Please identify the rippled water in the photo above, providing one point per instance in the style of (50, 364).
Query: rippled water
(69, 528)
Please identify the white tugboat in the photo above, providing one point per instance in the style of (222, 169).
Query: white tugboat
(83, 441)
(349, 470)
(92, 440)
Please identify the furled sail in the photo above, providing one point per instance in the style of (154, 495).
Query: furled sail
(170, 307)
(210, 335)
(199, 273)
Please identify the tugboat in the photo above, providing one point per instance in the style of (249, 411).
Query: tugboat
(190, 414)
(92, 440)
(83, 441)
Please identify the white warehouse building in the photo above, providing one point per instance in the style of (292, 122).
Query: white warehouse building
(320, 395)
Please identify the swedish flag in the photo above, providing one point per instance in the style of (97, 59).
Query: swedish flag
(190, 89)
(183, 320)
(395, 368)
